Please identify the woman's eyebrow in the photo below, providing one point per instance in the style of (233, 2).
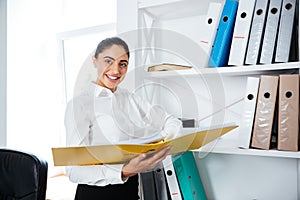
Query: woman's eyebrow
(115, 59)
(109, 57)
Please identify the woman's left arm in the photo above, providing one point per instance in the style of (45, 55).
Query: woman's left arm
(156, 115)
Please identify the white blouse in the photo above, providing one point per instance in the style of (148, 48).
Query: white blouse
(101, 117)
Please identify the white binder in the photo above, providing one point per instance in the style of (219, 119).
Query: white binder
(241, 32)
(250, 100)
(256, 32)
(210, 28)
(268, 45)
(172, 179)
(285, 31)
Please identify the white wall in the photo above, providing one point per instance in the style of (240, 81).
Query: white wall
(34, 80)
(3, 44)
(35, 94)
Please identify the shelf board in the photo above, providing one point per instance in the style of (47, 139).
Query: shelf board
(227, 71)
(234, 150)
(228, 144)
(256, 152)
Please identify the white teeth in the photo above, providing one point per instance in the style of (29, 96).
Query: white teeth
(112, 77)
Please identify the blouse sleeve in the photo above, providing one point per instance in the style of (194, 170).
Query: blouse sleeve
(172, 127)
(169, 125)
(78, 126)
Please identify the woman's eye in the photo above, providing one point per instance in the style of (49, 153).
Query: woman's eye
(123, 65)
(108, 61)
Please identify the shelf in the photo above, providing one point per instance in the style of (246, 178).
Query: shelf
(229, 71)
(172, 9)
(256, 152)
(230, 146)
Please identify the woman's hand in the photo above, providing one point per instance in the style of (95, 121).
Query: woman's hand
(143, 162)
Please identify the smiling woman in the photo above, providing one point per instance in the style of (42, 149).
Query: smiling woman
(105, 114)
(111, 63)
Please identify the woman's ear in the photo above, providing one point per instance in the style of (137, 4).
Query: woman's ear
(94, 61)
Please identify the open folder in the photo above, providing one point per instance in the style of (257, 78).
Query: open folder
(191, 139)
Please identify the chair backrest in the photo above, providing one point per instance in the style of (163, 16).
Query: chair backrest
(23, 176)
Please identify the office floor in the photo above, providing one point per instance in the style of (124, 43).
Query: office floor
(60, 188)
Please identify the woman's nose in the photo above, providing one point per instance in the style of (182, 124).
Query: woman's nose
(114, 67)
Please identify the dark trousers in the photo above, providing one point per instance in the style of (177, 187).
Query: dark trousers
(126, 191)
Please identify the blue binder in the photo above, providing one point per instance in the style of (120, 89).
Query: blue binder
(221, 48)
(188, 177)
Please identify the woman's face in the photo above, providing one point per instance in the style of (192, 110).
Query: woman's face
(111, 66)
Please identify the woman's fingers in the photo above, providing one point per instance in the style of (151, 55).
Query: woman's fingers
(161, 154)
(156, 158)
(145, 162)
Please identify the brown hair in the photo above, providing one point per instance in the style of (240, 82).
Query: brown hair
(108, 42)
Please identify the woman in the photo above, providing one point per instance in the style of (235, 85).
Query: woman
(107, 114)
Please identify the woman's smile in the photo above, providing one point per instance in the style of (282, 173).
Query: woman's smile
(111, 77)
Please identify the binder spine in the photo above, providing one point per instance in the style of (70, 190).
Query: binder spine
(288, 124)
(188, 177)
(256, 32)
(171, 177)
(210, 28)
(148, 185)
(285, 31)
(241, 32)
(220, 52)
(160, 183)
(250, 100)
(269, 39)
(265, 110)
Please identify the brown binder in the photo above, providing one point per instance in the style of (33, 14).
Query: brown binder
(265, 109)
(288, 112)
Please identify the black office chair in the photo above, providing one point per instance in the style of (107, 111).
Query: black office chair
(23, 176)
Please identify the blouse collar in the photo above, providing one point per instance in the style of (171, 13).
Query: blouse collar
(101, 91)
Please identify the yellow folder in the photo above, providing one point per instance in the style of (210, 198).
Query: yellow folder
(121, 153)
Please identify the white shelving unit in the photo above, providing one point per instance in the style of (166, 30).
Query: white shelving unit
(291, 67)
(227, 171)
